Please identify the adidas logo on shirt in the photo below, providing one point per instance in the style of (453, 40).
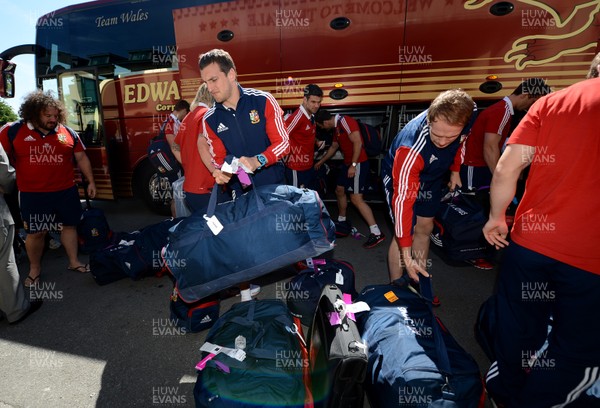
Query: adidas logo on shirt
(432, 159)
(307, 127)
(29, 139)
(206, 319)
(222, 128)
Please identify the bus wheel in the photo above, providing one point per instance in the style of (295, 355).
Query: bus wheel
(153, 189)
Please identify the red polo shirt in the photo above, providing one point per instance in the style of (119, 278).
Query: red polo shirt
(558, 214)
(43, 163)
(198, 179)
(302, 131)
(344, 125)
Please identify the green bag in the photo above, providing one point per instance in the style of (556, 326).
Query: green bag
(271, 375)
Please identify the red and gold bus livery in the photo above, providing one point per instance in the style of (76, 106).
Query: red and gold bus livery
(120, 66)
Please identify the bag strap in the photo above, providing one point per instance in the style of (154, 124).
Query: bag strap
(440, 347)
(212, 202)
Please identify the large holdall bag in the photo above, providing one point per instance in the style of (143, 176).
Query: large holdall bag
(338, 355)
(252, 358)
(458, 229)
(136, 255)
(268, 228)
(413, 359)
(304, 289)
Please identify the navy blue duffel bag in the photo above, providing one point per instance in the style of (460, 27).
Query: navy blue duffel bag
(268, 228)
(413, 360)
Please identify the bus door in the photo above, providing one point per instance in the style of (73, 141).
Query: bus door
(79, 93)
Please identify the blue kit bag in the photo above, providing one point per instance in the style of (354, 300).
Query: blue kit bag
(413, 359)
(135, 255)
(458, 229)
(268, 228)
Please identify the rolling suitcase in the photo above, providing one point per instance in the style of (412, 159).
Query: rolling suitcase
(304, 289)
(338, 360)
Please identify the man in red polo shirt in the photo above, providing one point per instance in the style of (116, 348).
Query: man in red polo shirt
(299, 164)
(552, 266)
(42, 151)
(353, 174)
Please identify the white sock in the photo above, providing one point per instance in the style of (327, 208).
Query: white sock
(245, 295)
(375, 229)
(341, 219)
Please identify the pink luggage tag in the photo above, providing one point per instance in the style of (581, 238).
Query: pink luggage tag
(202, 364)
(213, 350)
(345, 308)
(243, 177)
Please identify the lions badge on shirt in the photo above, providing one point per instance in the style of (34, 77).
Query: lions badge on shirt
(254, 117)
(62, 138)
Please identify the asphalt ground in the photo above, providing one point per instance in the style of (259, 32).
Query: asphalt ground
(114, 345)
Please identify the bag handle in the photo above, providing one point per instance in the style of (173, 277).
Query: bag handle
(440, 347)
(212, 202)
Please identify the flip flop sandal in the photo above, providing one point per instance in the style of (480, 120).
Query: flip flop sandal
(31, 281)
(81, 268)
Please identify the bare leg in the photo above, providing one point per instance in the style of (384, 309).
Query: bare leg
(363, 208)
(68, 237)
(420, 246)
(394, 266)
(34, 244)
(340, 194)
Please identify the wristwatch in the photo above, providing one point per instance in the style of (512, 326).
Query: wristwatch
(354, 164)
(262, 160)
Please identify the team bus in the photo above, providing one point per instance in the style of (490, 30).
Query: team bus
(119, 66)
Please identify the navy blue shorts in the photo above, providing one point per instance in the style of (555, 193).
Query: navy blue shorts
(50, 211)
(428, 198)
(301, 178)
(356, 184)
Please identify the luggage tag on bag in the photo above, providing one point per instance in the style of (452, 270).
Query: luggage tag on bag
(214, 224)
(345, 308)
(213, 350)
(339, 278)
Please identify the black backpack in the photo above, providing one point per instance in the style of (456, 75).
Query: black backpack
(371, 139)
(162, 158)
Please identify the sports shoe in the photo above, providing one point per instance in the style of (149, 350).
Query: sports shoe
(373, 240)
(480, 263)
